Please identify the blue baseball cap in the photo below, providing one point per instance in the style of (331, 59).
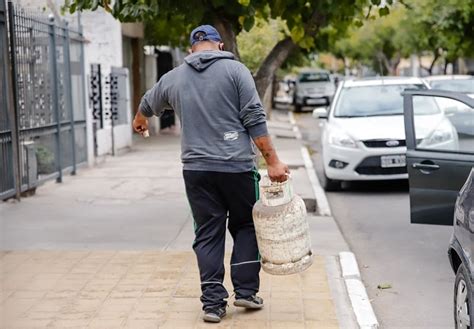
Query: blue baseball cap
(208, 33)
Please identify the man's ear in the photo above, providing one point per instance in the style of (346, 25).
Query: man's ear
(221, 46)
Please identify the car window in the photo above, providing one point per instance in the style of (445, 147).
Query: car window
(451, 129)
(464, 85)
(364, 101)
(314, 77)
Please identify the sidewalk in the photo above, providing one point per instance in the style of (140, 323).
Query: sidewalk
(111, 248)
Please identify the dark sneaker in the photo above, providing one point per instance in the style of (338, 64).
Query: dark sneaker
(214, 314)
(252, 302)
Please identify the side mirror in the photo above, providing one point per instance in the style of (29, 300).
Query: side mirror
(320, 113)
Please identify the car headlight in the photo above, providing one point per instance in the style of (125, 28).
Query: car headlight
(441, 134)
(339, 138)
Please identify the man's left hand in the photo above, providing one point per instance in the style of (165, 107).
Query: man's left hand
(140, 123)
(278, 172)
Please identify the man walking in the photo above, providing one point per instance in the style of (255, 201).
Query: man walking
(220, 111)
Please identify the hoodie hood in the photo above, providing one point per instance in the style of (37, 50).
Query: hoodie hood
(201, 60)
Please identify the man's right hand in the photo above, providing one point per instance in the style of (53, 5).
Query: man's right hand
(278, 172)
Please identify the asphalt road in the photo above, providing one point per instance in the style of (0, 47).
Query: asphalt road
(375, 220)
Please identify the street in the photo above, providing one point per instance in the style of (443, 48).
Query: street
(410, 260)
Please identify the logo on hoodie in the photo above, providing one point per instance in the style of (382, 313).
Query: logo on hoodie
(231, 135)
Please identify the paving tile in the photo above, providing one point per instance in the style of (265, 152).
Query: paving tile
(321, 325)
(185, 305)
(254, 324)
(178, 324)
(224, 324)
(318, 309)
(142, 324)
(27, 324)
(242, 315)
(15, 307)
(287, 325)
(286, 305)
(103, 323)
(70, 323)
(284, 316)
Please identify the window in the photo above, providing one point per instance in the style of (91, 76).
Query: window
(451, 129)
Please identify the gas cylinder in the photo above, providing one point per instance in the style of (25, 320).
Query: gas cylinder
(282, 229)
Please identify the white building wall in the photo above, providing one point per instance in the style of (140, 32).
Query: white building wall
(104, 46)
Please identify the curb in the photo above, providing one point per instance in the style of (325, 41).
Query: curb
(322, 203)
(356, 290)
(357, 293)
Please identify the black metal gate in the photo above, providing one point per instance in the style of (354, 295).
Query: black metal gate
(46, 120)
(7, 169)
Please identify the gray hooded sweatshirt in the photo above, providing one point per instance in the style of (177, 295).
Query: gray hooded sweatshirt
(220, 111)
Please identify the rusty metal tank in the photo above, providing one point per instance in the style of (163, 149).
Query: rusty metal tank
(282, 229)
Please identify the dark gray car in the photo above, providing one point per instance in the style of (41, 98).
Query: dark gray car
(442, 186)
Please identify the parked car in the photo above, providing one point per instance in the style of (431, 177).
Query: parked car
(459, 83)
(363, 137)
(441, 184)
(313, 87)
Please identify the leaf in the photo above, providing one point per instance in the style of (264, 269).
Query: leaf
(72, 7)
(307, 42)
(376, 2)
(244, 3)
(297, 33)
(383, 286)
(248, 22)
(242, 20)
(358, 23)
(384, 11)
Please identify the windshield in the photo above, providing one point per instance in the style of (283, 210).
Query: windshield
(314, 77)
(366, 101)
(464, 86)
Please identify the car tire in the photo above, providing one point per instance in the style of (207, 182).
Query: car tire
(462, 299)
(298, 108)
(331, 185)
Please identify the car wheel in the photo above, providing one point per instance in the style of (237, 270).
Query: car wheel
(331, 185)
(298, 108)
(463, 317)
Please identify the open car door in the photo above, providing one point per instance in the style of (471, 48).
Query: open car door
(439, 128)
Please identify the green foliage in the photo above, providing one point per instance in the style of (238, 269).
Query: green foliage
(439, 27)
(305, 19)
(255, 44)
(377, 42)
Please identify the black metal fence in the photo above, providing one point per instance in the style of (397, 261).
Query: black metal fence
(43, 129)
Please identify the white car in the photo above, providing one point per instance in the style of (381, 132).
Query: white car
(363, 136)
(458, 83)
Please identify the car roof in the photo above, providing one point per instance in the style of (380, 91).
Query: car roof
(449, 77)
(379, 81)
(312, 70)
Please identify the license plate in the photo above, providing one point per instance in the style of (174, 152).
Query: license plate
(315, 101)
(391, 161)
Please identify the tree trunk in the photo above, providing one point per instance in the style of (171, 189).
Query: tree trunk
(394, 62)
(430, 69)
(224, 26)
(272, 62)
(383, 61)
